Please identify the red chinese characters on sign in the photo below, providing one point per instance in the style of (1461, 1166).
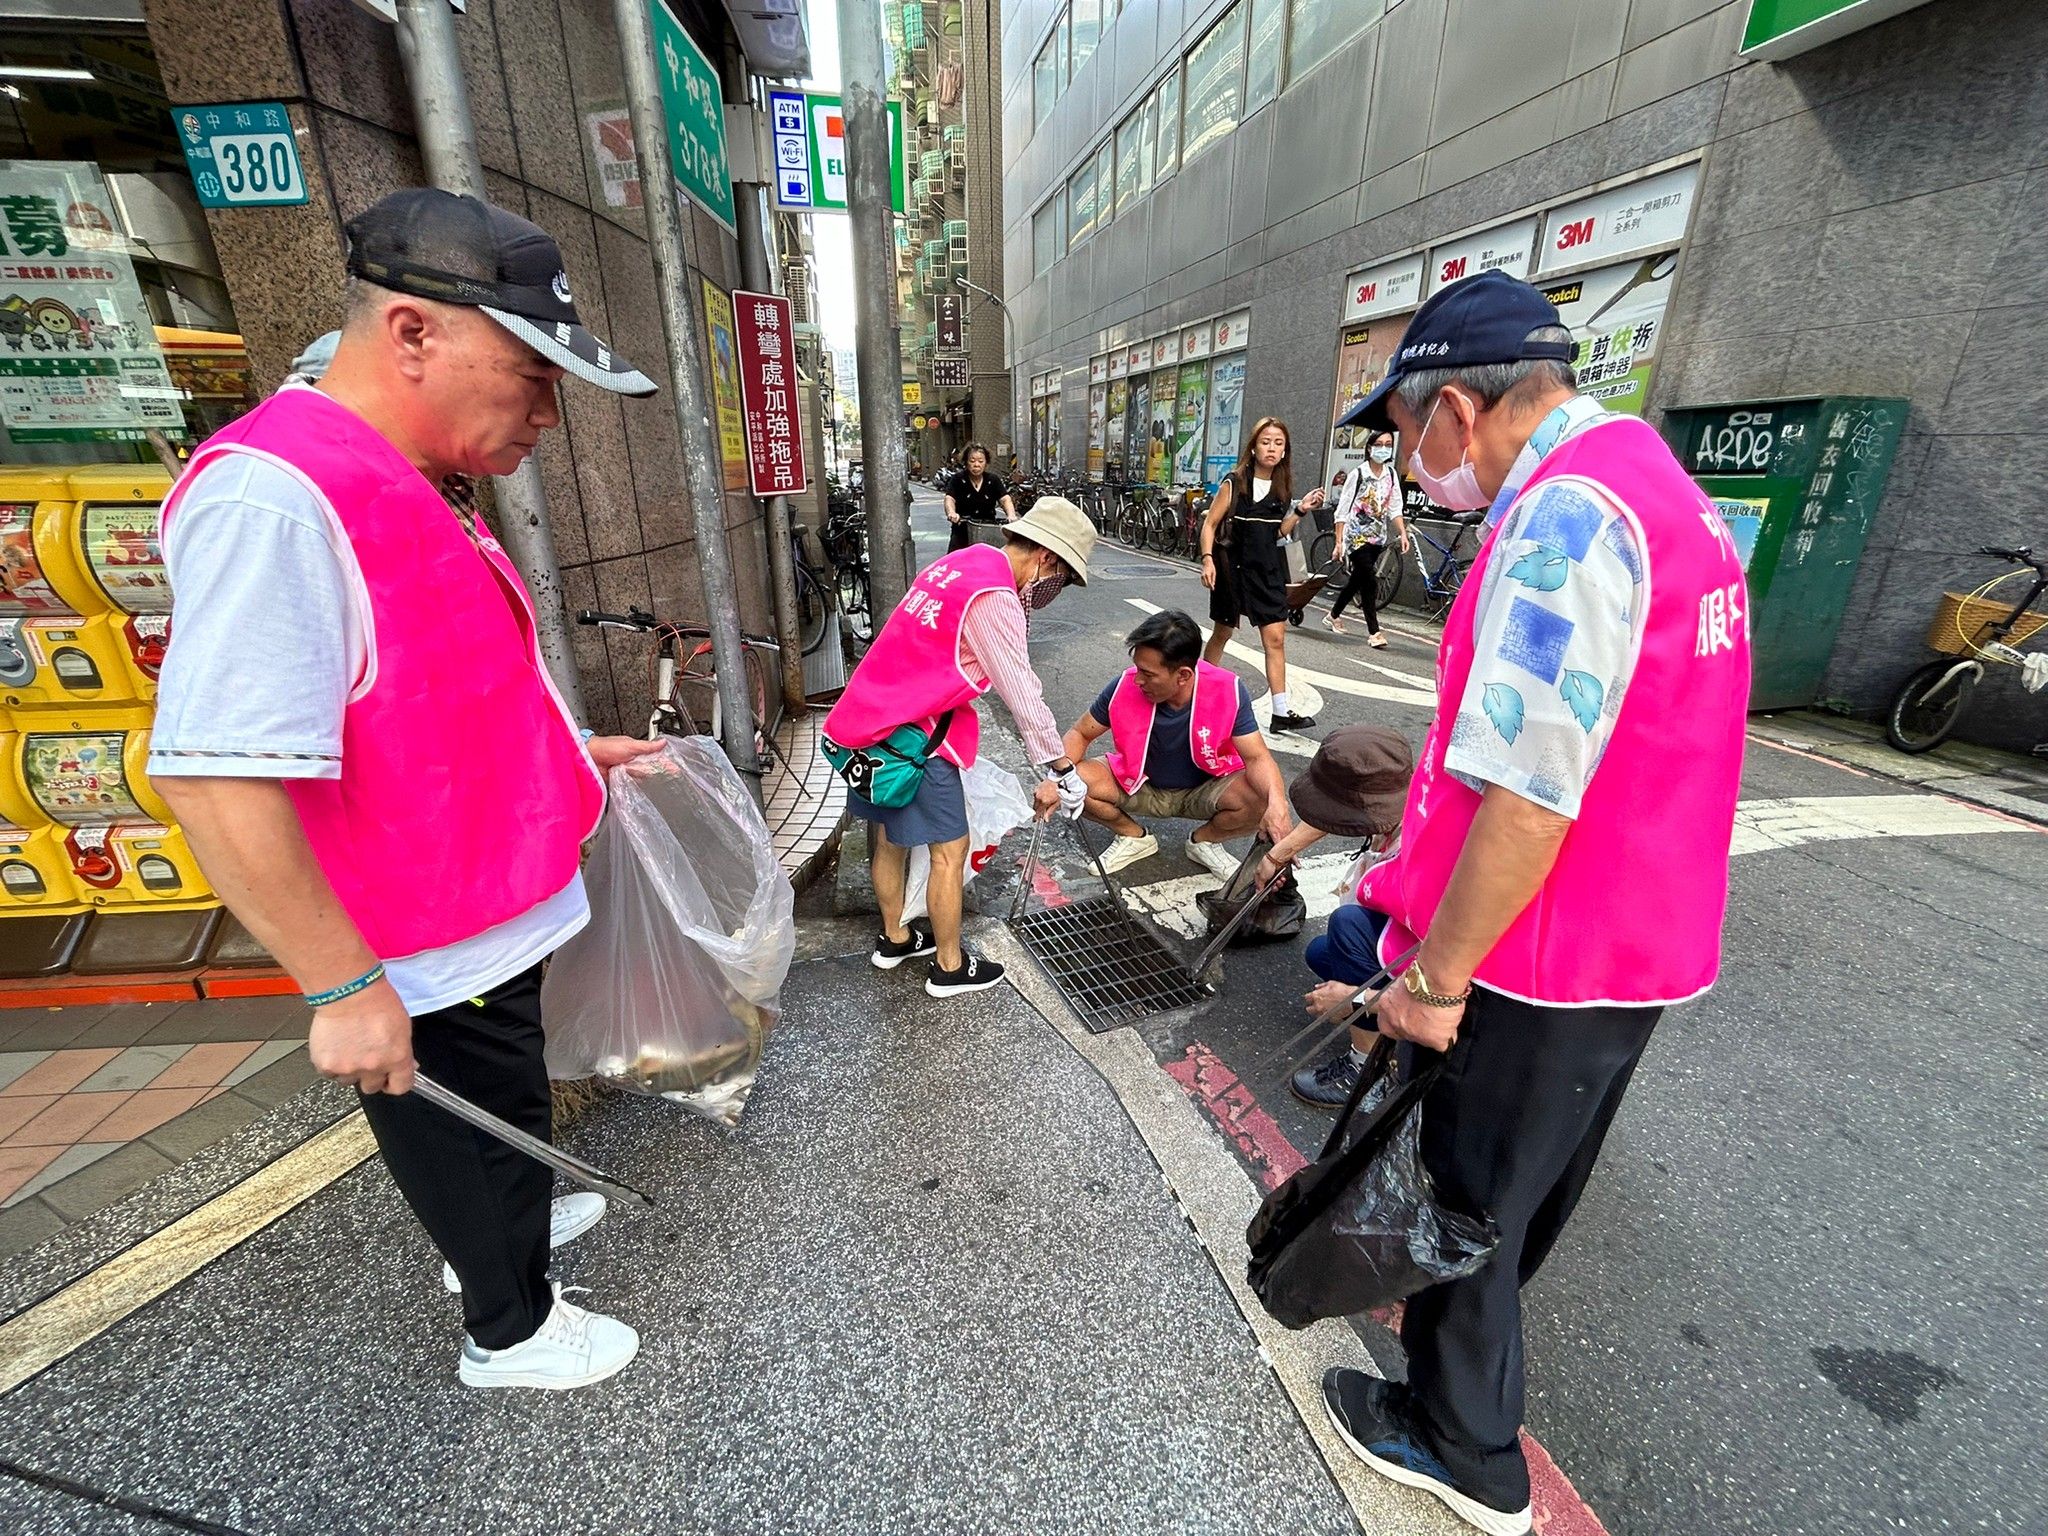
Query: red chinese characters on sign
(767, 342)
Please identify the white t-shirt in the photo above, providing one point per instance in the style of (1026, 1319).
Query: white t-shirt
(266, 646)
(1261, 489)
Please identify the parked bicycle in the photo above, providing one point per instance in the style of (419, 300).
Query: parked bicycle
(1971, 629)
(684, 678)
(1439, 585)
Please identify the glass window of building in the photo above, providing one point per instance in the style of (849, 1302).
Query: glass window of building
(1168, 99)
(1081, 202)
(1262, 61)
(1061, 43)
(1129, 162)
(1215, 88)
(1045, 235)
(1105, 181)
(1088, 16)
(1045, 80)
(1148, 141)
(1316, 28)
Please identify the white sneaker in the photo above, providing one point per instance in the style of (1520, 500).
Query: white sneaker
(568, 1218)
(572, 1349)
(1214, 857)
(1126, 851)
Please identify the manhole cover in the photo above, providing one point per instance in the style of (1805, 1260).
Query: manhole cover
(1109, 967)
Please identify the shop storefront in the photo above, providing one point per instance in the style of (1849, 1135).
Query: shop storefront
(1167, 411)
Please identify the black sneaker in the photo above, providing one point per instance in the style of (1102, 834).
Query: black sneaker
(1292, 722)
(1328, 1083)
(1372, 1415)
(889, 954)
(975, 975)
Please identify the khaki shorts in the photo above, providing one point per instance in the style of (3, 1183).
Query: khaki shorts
(1197, 804)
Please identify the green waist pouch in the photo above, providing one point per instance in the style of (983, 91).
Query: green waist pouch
(889, 773)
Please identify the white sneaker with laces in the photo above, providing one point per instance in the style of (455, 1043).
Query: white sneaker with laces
(1126, 851)
(568, 1218)
(573, 1348)
(1214, 857)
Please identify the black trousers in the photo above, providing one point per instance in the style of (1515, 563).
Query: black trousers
(1362, 586)
(1512, 1128)
(484, 1205)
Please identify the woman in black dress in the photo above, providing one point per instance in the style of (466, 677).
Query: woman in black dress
(1246, 573)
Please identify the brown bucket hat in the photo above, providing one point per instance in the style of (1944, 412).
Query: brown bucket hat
(1357, 783)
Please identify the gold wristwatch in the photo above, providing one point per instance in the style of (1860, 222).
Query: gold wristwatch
(1418, 988)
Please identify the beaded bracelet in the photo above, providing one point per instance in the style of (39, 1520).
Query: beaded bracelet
(368, 979)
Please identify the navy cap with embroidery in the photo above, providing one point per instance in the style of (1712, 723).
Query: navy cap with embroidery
(461, 250)
(1484, 319)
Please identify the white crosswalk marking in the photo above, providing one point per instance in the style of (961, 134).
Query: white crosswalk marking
(1416, 693)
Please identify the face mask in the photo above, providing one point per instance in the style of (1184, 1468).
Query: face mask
(1037, 594)
(1459, 490)
(1382, 454)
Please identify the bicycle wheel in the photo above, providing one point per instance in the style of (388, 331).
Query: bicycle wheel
(1438, 595)
(849, 583)
(697, 685)
(813, 611)
(1928, 704)
(859, 609)
(1387, 575)
(1322, 551)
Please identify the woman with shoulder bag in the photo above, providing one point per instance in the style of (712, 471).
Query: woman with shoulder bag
(1369, 511)
(1256, 502)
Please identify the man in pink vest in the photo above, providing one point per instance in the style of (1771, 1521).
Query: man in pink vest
(1183, 744)
(1564, 853)
(358, 734)
(958, 634)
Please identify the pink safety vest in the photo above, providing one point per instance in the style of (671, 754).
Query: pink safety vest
(465, 791)
(1631, 913)
(912, 672)
(1210, 725)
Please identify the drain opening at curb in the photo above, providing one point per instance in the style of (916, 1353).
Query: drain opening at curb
(1110, 968)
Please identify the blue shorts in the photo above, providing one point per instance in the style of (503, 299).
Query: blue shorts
(937, 813)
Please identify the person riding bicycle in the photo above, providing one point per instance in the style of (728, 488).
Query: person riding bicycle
(974, 495)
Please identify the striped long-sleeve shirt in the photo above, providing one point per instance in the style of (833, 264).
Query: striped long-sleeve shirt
(993, 650)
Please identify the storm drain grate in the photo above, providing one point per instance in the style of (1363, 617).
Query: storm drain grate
(1110, 968)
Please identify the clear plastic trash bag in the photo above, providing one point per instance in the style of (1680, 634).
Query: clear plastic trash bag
(1362, 1226)
(996, 805)
(673, 985)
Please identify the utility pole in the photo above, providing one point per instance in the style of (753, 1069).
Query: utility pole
(758, 272)
(447, 134)
(864, 99)
(982, 112)
(702, 476)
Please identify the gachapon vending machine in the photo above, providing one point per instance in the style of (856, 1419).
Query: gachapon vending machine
(53, 654)
(106, 557)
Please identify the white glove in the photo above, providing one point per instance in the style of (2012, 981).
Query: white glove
(1073, 792)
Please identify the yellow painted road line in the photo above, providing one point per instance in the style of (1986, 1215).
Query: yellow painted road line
(58, 1325)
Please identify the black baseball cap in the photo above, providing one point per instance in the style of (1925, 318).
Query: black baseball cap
(1483, 319)
(461, 250)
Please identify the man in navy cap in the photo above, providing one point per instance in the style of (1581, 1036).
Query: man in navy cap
(1563, 864)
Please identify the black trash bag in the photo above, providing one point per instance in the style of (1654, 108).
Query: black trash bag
(1362, 1226)
(1281, 915)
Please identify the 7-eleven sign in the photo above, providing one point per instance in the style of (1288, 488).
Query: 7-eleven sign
(808, 129)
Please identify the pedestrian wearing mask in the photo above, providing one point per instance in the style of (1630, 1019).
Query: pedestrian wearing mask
(974, 495)
(405, 837)
(1564, 852)
(958, 633)
(1254, 511)
(1368, 514)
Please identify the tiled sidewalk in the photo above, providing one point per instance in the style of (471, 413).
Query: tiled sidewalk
(95, 1102)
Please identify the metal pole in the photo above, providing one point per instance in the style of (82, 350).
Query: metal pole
(758, 272)
(864, 100)
(447, 134)
(702, 475)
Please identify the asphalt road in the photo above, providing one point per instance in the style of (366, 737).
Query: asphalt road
(1803, 1293)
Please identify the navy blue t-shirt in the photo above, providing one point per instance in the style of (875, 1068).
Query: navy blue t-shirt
(1169, 764)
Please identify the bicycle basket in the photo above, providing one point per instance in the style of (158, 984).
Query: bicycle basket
(1962, 623)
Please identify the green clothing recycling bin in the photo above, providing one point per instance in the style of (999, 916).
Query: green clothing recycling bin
(1798, 483)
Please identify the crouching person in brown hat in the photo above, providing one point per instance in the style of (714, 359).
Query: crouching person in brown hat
(1354, 787)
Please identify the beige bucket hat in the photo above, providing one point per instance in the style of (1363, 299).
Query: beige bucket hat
(1055, 523)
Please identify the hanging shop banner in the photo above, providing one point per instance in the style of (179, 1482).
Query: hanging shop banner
(1504, 248)
(1386, 289)
(1619, 222)
(1361, 363)
(949, 321)
(81, 361)
(1098, 427)
(1234, 332)
(808, 130)
(1616, 317)
(1138, 430)
(950, 373)
(1159, 440)
(1166, 350)
(241, 154)
(1197, 341)
(1226, 419)
(1190, 409)
(1098, 370)
(913, 392)
(1114, 425)
(1119, 364)
(694, 111)
(723, 349)
(766, 331)
(1138, 359)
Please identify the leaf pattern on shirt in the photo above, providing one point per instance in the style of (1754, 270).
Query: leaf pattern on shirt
(1583, 695)
(1542, 568)
(1503, 706)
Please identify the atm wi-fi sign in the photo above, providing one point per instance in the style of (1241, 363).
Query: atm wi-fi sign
(807, 133)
